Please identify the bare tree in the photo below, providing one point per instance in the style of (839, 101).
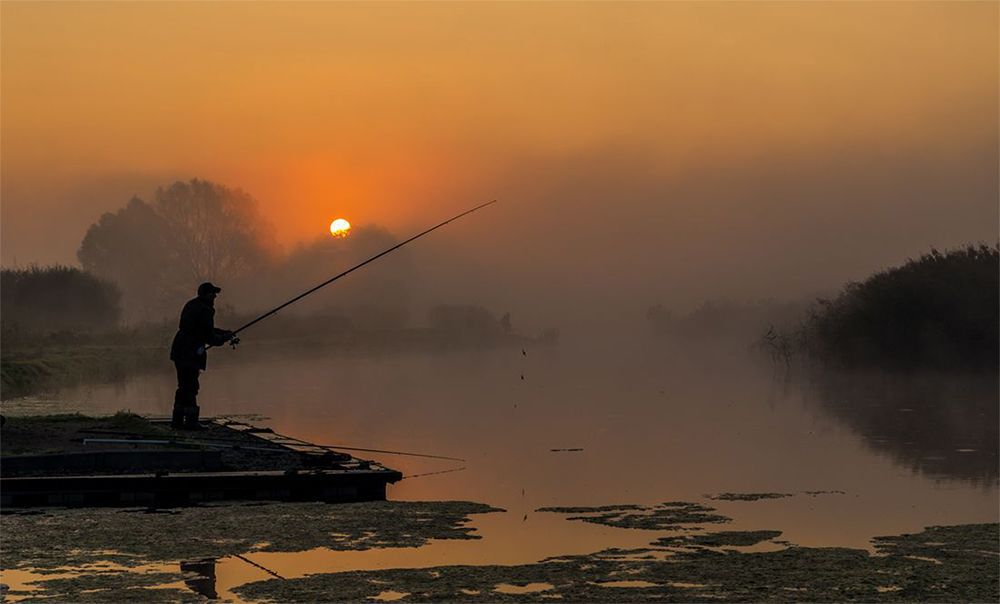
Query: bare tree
(216, 232)
(157, 253)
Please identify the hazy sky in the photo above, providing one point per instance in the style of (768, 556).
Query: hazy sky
(648, 151)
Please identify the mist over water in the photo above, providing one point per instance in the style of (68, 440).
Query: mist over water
(655, 422)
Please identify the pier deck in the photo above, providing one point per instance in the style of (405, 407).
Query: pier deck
(80, 461)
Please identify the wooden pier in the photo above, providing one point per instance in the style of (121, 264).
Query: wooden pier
(225, 460)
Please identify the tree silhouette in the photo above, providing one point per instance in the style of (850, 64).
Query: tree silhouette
(192, 232)
(216, 232)
(128, 248)
(376, 297)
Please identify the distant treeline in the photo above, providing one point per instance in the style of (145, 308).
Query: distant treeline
(939, 311)
(56, 298)
(723, 319)
(32, 360)
(468, 320)
(158, 251)
(65, 306)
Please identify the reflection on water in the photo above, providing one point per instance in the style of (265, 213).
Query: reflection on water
(645, 424)
(942, 425)
(199, 576)
(530, 588)
(390, 596)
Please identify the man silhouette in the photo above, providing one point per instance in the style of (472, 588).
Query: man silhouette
(195, 332)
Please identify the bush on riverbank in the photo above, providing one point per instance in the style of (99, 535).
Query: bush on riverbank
(939, 311)
(54, 298)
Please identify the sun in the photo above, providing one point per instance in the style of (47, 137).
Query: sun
(340, 228)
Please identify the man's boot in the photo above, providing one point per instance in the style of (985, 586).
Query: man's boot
(191, 417)
(177, 419)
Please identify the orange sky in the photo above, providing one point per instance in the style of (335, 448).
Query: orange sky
(401, 114)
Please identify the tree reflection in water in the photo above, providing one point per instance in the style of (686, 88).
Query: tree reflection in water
(943, 425)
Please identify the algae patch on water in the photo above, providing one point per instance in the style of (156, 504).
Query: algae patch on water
(747, 496)
(968, 572)
(75, 537)
(84, 540)
(109, 586)
(761, 496)
(722, 538)
(664, 516)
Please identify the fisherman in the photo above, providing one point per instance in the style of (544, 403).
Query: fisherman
(188, 352)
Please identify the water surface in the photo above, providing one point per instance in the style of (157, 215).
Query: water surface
(633, 421)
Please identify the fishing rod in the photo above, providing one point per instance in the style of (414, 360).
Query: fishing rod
(236, 340)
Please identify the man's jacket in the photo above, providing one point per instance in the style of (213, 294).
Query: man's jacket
(196, 330)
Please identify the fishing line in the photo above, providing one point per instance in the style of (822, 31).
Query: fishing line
(392, 452)
(432, 473)
(347, 448)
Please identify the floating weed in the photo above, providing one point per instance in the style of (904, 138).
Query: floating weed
(115, 586)
(588, 510)
(76, 537)
(77, 540)
(761, 496)
(747, 496)
(665, 516)
(722, 538)
(966, 573)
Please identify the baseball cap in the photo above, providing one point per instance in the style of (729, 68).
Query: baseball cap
(208, 288)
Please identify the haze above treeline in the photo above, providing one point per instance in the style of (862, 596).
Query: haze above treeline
(642, 154)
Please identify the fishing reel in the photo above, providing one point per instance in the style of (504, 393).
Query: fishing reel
(233, 341)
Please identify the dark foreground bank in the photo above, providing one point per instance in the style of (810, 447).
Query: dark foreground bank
(134, 555)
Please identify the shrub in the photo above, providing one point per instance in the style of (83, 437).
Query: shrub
(939, 311)
(57, 298)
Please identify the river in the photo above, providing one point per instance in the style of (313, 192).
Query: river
(600, 420)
